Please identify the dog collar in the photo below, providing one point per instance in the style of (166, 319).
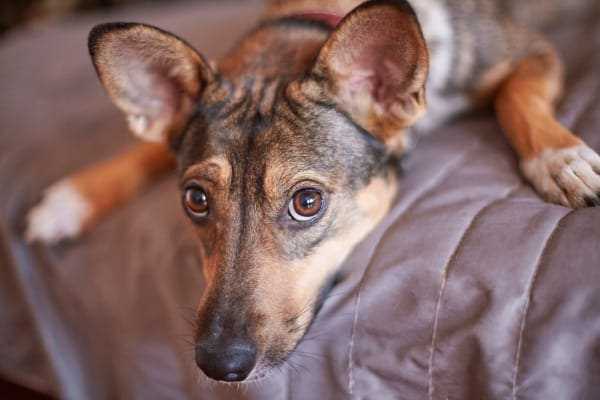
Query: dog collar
(329, 19)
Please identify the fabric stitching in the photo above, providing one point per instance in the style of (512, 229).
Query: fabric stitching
(454, 165)
(444, 279)
(525, 310)
(43, 315)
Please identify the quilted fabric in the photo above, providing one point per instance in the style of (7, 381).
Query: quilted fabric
(472, 287)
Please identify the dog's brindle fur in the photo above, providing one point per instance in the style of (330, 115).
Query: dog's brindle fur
(300, 104)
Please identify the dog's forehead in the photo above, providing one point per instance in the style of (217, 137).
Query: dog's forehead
(269, 152)
(234, 124)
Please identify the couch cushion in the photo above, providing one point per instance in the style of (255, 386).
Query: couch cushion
(472, 287)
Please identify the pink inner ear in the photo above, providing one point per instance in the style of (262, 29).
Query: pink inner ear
(379, 53)
(375, 73)
(361, 80)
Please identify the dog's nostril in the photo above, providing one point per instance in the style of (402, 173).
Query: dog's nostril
(230, 363)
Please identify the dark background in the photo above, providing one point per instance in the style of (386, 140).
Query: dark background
(14, 392)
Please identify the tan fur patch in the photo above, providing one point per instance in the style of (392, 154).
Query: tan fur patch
(272, 51)
(107, 184)
(525, 106)
(217, 169)
(290, 290)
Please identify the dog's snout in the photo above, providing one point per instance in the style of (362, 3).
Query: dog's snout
(231, 363)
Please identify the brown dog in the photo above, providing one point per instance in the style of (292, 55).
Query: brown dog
(288, 150)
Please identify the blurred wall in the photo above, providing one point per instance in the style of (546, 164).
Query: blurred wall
(19, 12)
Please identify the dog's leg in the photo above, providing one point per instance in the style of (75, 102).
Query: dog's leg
(77, 202)
(560, 166)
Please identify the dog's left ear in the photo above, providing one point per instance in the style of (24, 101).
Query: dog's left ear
(154, 77)
(374, 67)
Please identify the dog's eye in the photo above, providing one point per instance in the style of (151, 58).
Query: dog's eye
(196, 201)
(305, 204)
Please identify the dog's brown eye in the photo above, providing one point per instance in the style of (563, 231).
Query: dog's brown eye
(196, 201)
(305, 204)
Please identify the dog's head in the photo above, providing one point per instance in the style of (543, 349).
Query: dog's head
(286, 159)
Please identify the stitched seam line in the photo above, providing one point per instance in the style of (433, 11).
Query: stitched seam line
(444, 279)
(525, 310)
(42, 313)
(454, 165)
(14, 252)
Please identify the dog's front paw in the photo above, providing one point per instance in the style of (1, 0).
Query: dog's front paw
(60, 215)
(570, 177)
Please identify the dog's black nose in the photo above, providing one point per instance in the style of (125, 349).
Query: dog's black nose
(230, 363)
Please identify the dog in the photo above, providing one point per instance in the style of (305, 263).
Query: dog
(288, 149)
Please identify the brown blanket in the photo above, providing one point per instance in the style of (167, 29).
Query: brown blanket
(472, 287)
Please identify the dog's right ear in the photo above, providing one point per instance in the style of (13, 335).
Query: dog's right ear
(151, 75)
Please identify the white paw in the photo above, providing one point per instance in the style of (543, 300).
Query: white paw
(570, 176)
(60, 215)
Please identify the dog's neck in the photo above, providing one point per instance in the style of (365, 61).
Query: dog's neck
(282, 48)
